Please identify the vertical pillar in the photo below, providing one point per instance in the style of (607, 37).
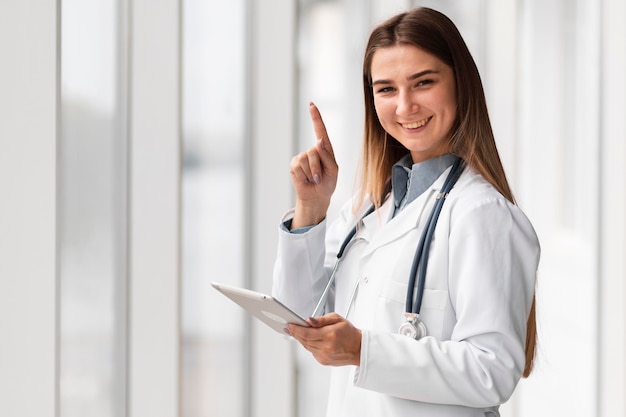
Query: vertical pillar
(154, 196)
(28, 196)
(612, 313)
(272, 89)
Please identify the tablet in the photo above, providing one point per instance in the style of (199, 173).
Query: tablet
(264, 307)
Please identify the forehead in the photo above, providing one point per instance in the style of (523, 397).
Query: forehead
(403, 60)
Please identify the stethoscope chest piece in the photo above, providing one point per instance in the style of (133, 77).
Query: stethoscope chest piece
(412, 327)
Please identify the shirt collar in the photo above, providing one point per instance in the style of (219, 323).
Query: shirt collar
(409, 181)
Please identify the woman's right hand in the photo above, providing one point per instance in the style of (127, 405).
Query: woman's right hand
(314, 176)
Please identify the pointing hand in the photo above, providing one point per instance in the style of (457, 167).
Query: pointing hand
(314, 176)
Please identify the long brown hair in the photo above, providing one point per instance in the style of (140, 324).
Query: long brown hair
(471, 135)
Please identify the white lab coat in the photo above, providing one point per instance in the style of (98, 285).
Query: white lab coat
(479, 287)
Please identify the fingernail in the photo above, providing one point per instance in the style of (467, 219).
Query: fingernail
(313, 319)
(316, 178)
(286, 330)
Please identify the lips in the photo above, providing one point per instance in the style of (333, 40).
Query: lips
(415, 125)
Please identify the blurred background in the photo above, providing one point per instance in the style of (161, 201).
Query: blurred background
(144, 153)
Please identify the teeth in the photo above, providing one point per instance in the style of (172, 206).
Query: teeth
(415, 125)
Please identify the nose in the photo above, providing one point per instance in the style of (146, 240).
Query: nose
(406, 105)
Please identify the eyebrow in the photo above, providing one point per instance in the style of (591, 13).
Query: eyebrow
(411, 78)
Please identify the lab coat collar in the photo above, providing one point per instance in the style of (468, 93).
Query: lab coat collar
(379, 228)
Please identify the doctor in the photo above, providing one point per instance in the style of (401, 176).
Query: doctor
(447, 333)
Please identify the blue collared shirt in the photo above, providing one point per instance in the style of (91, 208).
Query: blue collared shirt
(409, 180)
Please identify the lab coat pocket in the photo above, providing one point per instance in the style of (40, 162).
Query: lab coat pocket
(391, 307)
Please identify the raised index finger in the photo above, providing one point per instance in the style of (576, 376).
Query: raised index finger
(319, 128)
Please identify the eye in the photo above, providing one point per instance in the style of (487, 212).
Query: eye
(383, 90)
(423, 83)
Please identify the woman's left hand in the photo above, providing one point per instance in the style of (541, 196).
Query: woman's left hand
(331, 339)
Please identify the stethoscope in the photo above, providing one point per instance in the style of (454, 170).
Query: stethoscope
(412, 326)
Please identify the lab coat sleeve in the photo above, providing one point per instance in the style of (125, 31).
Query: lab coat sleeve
(298, 277)
(304, 262)
(493, 258)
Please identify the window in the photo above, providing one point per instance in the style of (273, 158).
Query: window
(214, 344)
(93, 210)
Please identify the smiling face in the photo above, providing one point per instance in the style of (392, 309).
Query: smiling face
(415, 99)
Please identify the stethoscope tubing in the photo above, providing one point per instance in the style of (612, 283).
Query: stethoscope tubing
(342, 249)
(423, 247)
(420, 262)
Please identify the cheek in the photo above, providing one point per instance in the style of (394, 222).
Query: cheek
(446, 105)
(451, 100)
(452, 111)
(382, 111)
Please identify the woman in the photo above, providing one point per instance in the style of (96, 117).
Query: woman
(471, 337)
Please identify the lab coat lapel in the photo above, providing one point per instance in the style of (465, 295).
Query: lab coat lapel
(378, 230)
(381, 231)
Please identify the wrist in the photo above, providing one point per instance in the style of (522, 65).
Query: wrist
(357, 353)
(307, 214)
